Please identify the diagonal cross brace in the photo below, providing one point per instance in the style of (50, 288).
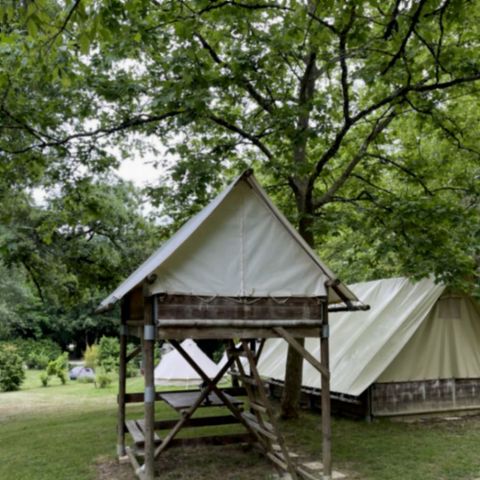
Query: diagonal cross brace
(188, 413)
(212, 386)
(302, 351)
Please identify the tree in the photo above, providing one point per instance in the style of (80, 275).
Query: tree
(72, 251)
(313, 94)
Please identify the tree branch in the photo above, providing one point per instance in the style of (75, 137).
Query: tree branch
(402, 168)
(130, 123)
(343, 65)
(379, 126)
(254, 93)
(243, 133)
(401, 50)
(64, 24)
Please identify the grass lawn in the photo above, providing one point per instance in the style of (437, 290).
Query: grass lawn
(68, 432)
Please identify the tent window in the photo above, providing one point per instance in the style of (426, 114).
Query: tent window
(449, 308)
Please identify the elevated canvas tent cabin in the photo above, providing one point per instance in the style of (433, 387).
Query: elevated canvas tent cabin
(173, 369)
(238, 270)
(417, 350)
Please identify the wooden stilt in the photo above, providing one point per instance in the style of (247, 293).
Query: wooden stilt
(122, 375)
(326, 413)
(150, 316)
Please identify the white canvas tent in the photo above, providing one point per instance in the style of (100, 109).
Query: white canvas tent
(412, 332)
(239, 245)
(173, 369)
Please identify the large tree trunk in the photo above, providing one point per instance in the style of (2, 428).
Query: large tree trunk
(294, 367)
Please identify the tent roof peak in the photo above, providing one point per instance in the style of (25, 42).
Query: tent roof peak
(254, 240)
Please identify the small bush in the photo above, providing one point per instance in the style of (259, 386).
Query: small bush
(11, 369)
(59, 367)
(90, 356)
(103, 380)
(109, 351)
(44, 378)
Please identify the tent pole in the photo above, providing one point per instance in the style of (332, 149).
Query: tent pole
(326, 413)
(150, 316)
(122, 375)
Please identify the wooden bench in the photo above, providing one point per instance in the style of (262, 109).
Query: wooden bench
(136, 428)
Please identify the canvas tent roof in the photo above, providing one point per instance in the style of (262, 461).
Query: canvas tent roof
(363, 347)
(239, 245)
(173, 369)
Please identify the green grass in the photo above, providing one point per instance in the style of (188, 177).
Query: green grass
(68, 431)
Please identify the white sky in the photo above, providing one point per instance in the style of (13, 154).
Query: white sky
(139, 171)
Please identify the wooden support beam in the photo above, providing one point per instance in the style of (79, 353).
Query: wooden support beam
(122, 381)
(134, 353)
(149, 399)
(326, 407)
(303, 351)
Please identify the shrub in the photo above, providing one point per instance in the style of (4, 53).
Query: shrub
(90, 356)
(11, 368)
(44, 378)
(59, 367)
(103, 380)
(108, 353)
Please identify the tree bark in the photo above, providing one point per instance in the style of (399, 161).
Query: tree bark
(294, 367)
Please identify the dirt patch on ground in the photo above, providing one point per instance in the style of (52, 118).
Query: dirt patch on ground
(231, 462)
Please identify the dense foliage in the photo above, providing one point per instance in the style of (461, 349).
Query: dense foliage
(12, 373)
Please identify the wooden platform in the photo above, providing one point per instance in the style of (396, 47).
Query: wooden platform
(136, 428)
(183, 400)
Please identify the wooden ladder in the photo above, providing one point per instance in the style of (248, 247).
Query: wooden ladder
(261, 418)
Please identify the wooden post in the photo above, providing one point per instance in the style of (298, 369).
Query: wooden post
(122, 376)
(326, 414)
(150, 317)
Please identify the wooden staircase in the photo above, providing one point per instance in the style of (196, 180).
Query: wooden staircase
(261, 417)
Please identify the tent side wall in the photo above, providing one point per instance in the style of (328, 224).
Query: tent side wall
(438, 370)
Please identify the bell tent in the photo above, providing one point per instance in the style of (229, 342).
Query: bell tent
(173, 369)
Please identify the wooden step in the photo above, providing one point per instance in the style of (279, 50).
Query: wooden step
(277, 461)
(257, 407)
(265, 430)
(136, 428)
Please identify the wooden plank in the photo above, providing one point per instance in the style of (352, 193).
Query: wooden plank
(137, 397)
(198, 422)
(134, 353)
(226, 333)
(245, 308)
(182, 400)
(149, 404)
(135, 431)
(141, 426)
(122, 378)
(226, 322)
(252, 423)
(258, 407)
(302, 351)
(326, 413)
